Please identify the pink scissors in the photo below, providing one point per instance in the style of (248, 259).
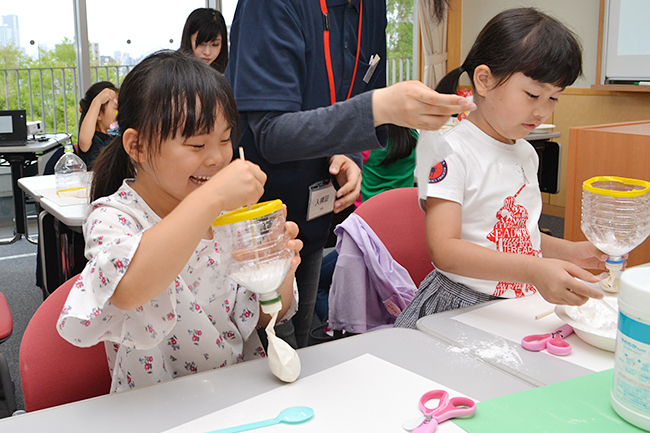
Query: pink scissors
(446, 409)
(552, 342)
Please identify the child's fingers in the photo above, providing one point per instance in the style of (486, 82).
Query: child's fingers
(292, 229)
(583, 290)
(569, 297)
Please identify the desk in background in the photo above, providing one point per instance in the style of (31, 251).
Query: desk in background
(167, 405)
(621, 149)
(17, 156)
(61, 244)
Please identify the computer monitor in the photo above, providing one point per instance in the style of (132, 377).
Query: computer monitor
(13, 127)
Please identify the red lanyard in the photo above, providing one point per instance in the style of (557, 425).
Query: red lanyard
(328, 56)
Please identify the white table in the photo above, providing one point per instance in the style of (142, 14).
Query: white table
(60, 239)
(70, 215)
(163, 406)
(17, 156)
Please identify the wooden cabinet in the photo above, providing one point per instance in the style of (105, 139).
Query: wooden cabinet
(621, 149)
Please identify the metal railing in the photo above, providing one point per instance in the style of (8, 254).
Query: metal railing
(50, 94)
(399, 69)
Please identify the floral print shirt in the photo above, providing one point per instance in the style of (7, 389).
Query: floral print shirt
(202, 321)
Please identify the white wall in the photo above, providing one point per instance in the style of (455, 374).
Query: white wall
(581, 16)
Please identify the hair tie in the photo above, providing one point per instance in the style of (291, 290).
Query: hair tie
(461, 69)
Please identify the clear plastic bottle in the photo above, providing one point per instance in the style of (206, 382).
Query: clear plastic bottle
(70, 174)
(253, 246)
(615, 218)
(252, 243)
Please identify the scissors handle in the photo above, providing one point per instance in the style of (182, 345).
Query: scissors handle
(457, 407)
(535, 342)
(553, 341)
(437, 394)
(446, 409)
(556, 345)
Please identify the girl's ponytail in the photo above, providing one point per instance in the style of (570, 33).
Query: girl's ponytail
(449, 82)
(111, 167)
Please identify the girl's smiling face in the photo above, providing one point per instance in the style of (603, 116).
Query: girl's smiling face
(514, 108)
(207, 51)
(182, 166)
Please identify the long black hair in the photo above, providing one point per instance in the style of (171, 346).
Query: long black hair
(91, 93)
(209, 23)
(159, 99)
(522, 40)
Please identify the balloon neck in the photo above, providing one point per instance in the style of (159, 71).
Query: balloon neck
(270, 302)
(614, 265)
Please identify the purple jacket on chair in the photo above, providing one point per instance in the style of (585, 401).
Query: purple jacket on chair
(369, 288)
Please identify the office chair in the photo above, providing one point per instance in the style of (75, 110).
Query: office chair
(6, 328)
(53, 371)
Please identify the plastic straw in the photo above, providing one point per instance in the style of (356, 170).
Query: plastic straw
(257, 254)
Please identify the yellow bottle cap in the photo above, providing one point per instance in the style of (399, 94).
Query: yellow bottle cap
(627, 188)
(246, 213)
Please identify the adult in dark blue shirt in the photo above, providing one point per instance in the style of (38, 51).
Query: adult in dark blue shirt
(290, 125)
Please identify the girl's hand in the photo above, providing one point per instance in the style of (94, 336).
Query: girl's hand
(240, 183)
(295, 245)
(286, 288)
(556, 281)
(586, 255)
(414, 105)
(105, 96)
(348, 175)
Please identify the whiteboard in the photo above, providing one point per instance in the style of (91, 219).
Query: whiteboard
(626, 41)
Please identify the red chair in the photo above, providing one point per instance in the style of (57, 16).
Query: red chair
(395, 216)
(53, 371)
(6, 328)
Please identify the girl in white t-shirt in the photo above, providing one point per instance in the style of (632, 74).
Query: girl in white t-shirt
(484, 202)
(154, 289)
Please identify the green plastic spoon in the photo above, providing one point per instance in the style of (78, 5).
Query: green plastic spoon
(291, 415)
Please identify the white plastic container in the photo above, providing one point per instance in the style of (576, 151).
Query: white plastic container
(70, 175)
(630, 394)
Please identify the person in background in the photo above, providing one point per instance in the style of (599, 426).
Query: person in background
(154, 290)
(98, 110)
(205, 35)
(484, 202)
(309, 79)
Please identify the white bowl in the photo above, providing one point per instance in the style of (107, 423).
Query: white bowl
(588, 334)
(544, 128)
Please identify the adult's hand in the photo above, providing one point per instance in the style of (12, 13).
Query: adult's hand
(348, 175)
(414, 105)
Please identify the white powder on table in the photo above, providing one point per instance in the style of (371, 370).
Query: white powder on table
(497, 350)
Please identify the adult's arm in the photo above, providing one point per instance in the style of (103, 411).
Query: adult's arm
(343, 128)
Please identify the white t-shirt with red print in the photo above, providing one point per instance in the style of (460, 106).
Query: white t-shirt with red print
(496, 184)
(201, 321)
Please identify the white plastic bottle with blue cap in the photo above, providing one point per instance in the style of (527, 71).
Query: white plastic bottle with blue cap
(70, 174)
(630, 396)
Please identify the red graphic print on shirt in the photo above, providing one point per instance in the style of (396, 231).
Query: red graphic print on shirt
(511, 235)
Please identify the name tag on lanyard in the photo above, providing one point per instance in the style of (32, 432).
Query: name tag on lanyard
(322, 196)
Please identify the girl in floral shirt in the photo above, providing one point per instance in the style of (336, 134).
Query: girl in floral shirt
(153, 289)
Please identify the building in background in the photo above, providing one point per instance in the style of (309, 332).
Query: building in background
(9, 33)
